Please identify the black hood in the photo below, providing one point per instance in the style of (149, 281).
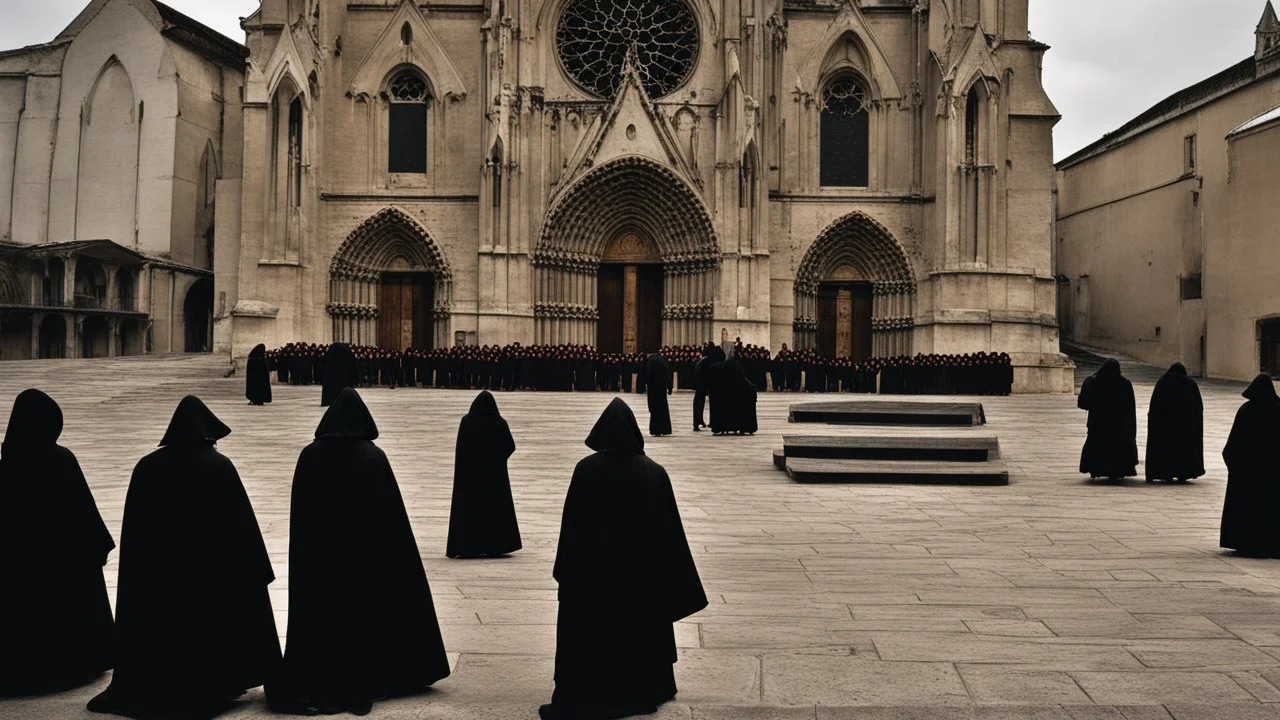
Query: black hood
(617, 430)
(258, 352)
(194, 423)
(484, 404)
(36, 421)
(347, 418)
(1110, 368)
(1177, 369)
(339, 350)
(1261, 389)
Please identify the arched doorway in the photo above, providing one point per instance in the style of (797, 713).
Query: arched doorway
(854, 292)
(390, 285)
(197, 316)
(629, 296)
(95, 339)
(91, 284)
(628, 213)
(53, 337)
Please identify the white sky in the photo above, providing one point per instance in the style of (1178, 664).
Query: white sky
(1111, 59)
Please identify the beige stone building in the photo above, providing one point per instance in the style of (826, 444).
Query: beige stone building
(1165, 226)
(869, 177)
(112, 140)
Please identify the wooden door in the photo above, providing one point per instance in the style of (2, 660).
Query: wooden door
(405, 306)
(391, 307)
(609, 303)
(648, 308)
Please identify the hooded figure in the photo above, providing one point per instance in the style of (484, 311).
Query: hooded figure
(194, 628)
(257, 377)
(1175, 428)
(482, 519)
(1249, 513)
(362, 624)
(1111, 449)
(341, 371)
(55, 619)
(625, 574)
(736, 396)
(657, 375)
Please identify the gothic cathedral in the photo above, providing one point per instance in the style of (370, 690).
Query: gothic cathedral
(865, 177)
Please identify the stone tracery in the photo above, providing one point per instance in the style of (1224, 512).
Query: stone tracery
(594, 37)
(858, 241)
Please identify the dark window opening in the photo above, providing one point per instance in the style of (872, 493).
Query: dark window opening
(406, 34)
(295, 153)
(495, 164)
(971, 128)
(747, 182)
(1189, 154)
(845, 135)
(1190, 288)
(1269, 345)
(407, 132)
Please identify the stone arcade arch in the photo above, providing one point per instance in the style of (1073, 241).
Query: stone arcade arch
(635, 197)
(390, 285)
(853, 259)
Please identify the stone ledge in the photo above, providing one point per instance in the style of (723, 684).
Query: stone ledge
(255, 309)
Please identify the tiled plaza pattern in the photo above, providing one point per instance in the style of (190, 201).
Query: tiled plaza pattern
(1050, 598)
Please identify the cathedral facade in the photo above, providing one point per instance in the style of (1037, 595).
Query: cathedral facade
(866, 177)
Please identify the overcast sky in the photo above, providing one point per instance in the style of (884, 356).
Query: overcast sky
(1111, 59)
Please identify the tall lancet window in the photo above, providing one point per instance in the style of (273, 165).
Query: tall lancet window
(972, 167)
(295, 153)
(845, 133)
(747, 180)
(495, 166)
(407, 131)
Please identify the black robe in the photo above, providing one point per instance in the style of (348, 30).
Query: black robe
(55, 618)
(1251, 511)
(362, 623)
(625, 575)
(194, 627)
(1111, 450)
(657, 373)
(341, 371)
(734, 402)
(257, 377)
(1175, 428)
(482, 516)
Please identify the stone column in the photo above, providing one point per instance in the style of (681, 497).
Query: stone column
(113, 287)
(113, 333)
(36, 319)
(74, 328)
(69, 281)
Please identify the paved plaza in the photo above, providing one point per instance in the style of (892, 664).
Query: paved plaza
(1050, 598)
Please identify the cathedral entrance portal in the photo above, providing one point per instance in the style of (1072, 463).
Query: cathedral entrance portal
(405, 303)
(629, 296)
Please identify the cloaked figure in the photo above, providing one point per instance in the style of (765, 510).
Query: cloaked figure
(625, 576)
(1175, 428)
(1111, 449)
(736, 396)
(194, 628)
(482, 518)
(1251, 511)
(657, 379)
(341, 371)
(362, 624)
(257, 377)
(55, 619)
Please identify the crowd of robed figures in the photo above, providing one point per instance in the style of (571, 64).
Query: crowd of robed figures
(1175, 447)
(194, 629)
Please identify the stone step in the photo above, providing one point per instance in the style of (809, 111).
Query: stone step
(936, 472)
(890, 412)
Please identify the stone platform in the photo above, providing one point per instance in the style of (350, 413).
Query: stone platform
(1051, 598)
(962, 458)
(889, 412)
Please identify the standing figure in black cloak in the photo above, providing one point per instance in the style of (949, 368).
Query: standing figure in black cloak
(55, 619)
(482, 518)
(657, 373)
(194, 628)
(1111, 449)
(701, 383)
(341, 371)
(1175, 428)
(736, 395)
(626, 575)
(362, 624)
(257, 378)
(1249, 514)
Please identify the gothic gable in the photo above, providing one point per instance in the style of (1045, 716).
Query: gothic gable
(850, 20)
(631, 127)
(285, 61)
(408, 40)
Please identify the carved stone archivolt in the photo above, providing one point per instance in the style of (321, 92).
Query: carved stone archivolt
(858, 247)
(390, 241)
(669, 224)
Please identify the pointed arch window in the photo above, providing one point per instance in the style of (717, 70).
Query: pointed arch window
(495, 164)
(747, 180)
(295, 152)
(409, 95)
(845, 133)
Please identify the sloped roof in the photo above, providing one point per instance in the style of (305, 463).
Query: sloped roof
(1216, 86)
(1266, 117)
(202, 38)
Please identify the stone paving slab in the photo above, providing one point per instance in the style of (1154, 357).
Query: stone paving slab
(1053, 597)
